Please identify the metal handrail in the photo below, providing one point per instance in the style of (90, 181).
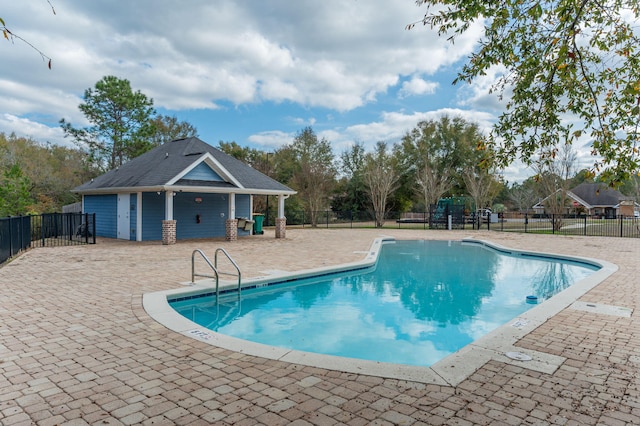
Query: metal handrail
(214, 268)
(235, 265)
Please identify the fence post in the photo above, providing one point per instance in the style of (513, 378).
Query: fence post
(553, 223)
(621, 218)
(21, 232)
(27, 233)
(585, 225)
(11, 253)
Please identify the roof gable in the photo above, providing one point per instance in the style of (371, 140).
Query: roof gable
(206, 161)
(203, 172)
(186, 160)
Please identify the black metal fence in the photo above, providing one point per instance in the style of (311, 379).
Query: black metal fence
(15, 236)
(46, 230)
(435, 219)
(453, 217)
(591, 226)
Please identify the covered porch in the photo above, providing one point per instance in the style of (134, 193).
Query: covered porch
(234, 209)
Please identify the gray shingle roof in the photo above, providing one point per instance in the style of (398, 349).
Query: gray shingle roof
(598, 194)
(159, 166)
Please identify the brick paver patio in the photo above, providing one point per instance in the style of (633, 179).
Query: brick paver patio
(76, 346)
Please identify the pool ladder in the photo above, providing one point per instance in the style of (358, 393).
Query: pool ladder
(214, 268)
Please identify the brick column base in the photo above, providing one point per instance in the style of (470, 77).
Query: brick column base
(168, 232)
(281, 227)
(232, 230)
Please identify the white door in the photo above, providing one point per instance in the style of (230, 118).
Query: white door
(124, 222)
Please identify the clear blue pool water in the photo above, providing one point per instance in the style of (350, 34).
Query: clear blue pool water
(421, 302)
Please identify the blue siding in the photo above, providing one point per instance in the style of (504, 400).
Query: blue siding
(152, 216)
(185, 209)
(212, 224)
(106, 209)
(133, 216)
(203, 172)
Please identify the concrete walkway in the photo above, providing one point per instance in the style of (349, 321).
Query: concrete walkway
(76, 346)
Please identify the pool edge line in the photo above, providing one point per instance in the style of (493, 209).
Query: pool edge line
(495, 344)
(451, 370)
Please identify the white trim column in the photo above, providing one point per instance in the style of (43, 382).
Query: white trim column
(281, 199)
(231, 226)
(168, 225)
(168, 205)
(139, 216)
(232, 206)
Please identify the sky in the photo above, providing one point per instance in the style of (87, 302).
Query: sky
(253, 72)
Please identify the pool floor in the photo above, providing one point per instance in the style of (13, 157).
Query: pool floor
(495, 344)
(423, 301)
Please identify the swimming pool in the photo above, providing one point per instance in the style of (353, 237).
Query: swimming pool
(422, 301)
(451, 370)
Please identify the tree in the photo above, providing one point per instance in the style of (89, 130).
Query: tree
(314, 172)
(120, 119)
(254, 157)
(14, 192)
(554, 178)
(631, 187)
(435, 154)
(570, 69)
(481, 185)
(524, 195)
(52, 170)
(167, 128)
(432, 184)
(381, 178)
(351, 194)
(11, 36)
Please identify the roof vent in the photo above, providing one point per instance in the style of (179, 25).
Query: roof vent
(166, 155)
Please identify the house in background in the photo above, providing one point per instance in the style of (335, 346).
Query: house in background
(596, 199)
(182, 189)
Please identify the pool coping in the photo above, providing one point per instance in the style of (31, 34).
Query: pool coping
(498, 344)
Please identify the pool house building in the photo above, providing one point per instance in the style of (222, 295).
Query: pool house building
(180, 190)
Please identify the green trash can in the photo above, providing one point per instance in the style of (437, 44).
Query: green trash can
(257, 226)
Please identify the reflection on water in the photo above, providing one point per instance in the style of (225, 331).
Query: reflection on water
(423, 301)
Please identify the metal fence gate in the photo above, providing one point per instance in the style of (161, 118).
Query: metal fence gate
(18, 233)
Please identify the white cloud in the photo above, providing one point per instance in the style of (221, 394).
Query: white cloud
(324, 59)
(418, 86)
(477, 94)
(338, 56)
(272, 139)
(390, 128)
(394, 125)
(34, 130)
